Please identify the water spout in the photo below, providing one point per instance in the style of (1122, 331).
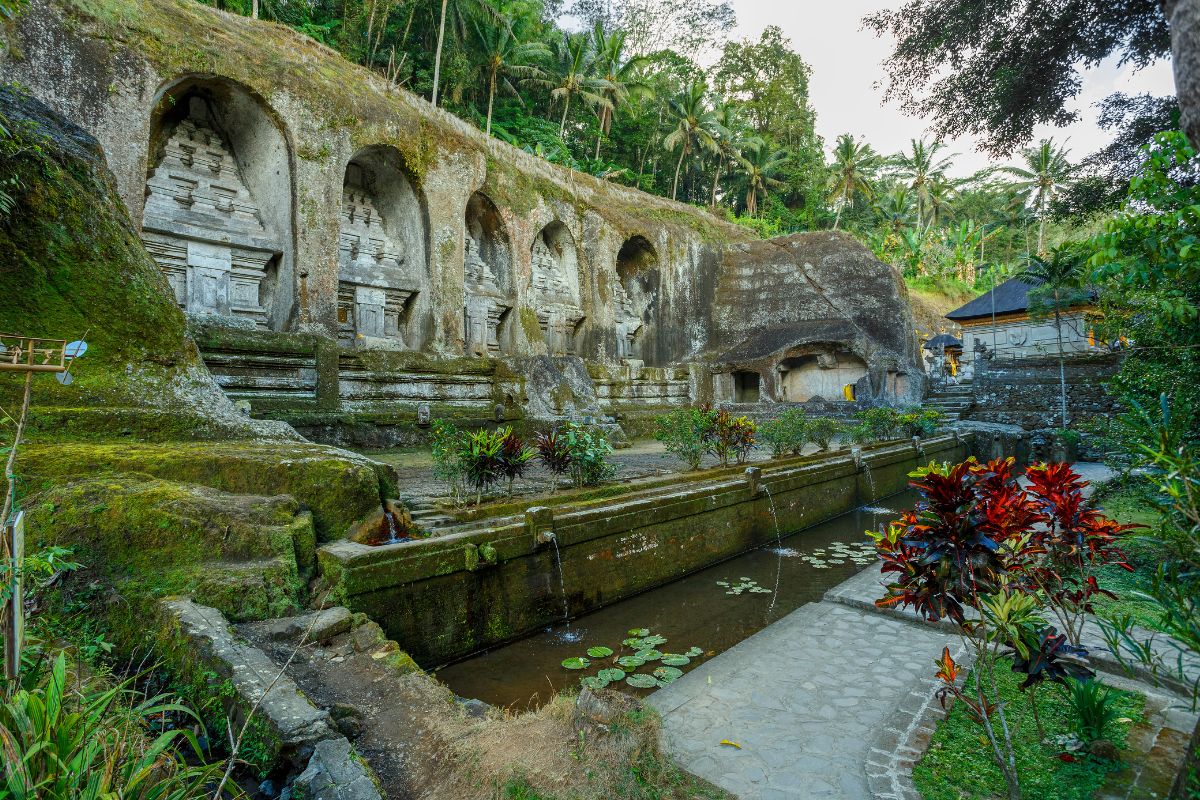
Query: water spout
(856, 454)
(547, 537)
(918, 446)
(567, 635)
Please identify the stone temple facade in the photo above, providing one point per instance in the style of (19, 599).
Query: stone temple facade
(342, 248)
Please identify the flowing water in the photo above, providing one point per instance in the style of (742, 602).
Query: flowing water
(565, 634)
(866, 468)
(694, 611)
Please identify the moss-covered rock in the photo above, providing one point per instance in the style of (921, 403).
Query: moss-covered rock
(149, 538)
(337, 486)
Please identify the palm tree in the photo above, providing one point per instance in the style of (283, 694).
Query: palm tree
(938, 196)
(853, 169)
(695, 126)
(759, 166)
(505, 56)
(573, 64)
(1059, 276)
(619, 77)
(1045, 174)
(458, 12)
(730, 140)
(920, 167)
(895, 207)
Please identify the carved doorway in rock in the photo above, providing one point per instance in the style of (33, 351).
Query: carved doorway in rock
(218, 212)
(554, 291)
(636, 302)
(487, 280)
(823, 373)
(383, 273)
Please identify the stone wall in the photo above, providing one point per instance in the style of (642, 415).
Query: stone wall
(1026, 392)
(285, 192)
(446, 597)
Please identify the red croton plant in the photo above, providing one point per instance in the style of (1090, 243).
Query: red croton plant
(991, 555)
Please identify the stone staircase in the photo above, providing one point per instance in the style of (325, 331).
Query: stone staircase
(424, 513)
(953, 400)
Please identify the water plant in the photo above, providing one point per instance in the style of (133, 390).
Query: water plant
(623, 667)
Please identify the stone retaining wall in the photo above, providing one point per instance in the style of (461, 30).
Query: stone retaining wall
(447, 597)
(1026, 392)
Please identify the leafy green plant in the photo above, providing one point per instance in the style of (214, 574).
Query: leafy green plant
(821, 431)
(447, 443)
(1095, 707)
(482, 461)
(514, 457)
(684, 432)
(786, 434)
(730, 437)
(589, 450)
(93, 740)
(878, 424)
(554, 452)
(918, 421)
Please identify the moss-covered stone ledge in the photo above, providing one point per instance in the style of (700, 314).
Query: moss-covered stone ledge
(337, 486)
(447, 597)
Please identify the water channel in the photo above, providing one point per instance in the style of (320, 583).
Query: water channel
(696, 611)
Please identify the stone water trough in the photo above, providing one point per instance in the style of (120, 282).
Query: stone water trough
(494, 581)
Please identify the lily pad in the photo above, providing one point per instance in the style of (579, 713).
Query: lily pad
(649, 654)
(611, 675)
(642, 681)
(692, 652)
(667, 675)
(633, 642)
(631, 662)
(675, 660)
(599, 652)
(654, 640)
(576, 663)
(593, 682)
(639, 631)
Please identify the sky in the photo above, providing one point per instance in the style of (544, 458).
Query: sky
(847, 65)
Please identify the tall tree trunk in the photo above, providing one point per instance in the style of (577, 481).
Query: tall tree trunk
(254, 9)
(716, 178)
(678, 167)
(1062, 369)
(562, 126)
(1042, 236)
(1183, 19)
(491, 98)
(838, 217)
(437, 57)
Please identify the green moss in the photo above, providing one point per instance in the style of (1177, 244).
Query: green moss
(530, 325)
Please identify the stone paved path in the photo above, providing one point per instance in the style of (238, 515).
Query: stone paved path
(805, 699)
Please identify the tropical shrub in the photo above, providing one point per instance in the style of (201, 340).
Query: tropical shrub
(514, 458)
(684, 432)
(555, 454)
(917, 421)
(731, 437)
(1095, 707)
(482, 461)
(447, 444)
(786, 434)
(878, 424)
(88, 739)
(821, 431)
(972, 542)
(589, 450)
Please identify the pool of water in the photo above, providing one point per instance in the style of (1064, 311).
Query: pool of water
(703, 610)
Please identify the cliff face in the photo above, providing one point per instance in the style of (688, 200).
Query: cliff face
(285, 192)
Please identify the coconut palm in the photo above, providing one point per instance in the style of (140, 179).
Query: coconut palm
(1046, 173)
(695, 126)
(1059, 277)
(505, 57)
(920, 167)
(619, 77)
(572, 74)
(759, 165)
(938, 198)
(458, 12)
(895, 206)
(854, 165)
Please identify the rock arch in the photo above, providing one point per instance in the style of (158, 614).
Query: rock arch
(636, 301)
(218, 212)
(819, 371)
(487, 280)
(554, 292)
(383, 273)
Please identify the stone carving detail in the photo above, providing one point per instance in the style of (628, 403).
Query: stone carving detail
(374, 286)
(555, 301)
(486, 304)
(203, 227)
(629, 324)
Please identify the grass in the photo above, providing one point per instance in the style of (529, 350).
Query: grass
(959, 766)
(1131, 506)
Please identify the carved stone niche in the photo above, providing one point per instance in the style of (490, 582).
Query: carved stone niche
(485, 303)
(375, 289)
(203, 227)
(555, 298)
(629, 326)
